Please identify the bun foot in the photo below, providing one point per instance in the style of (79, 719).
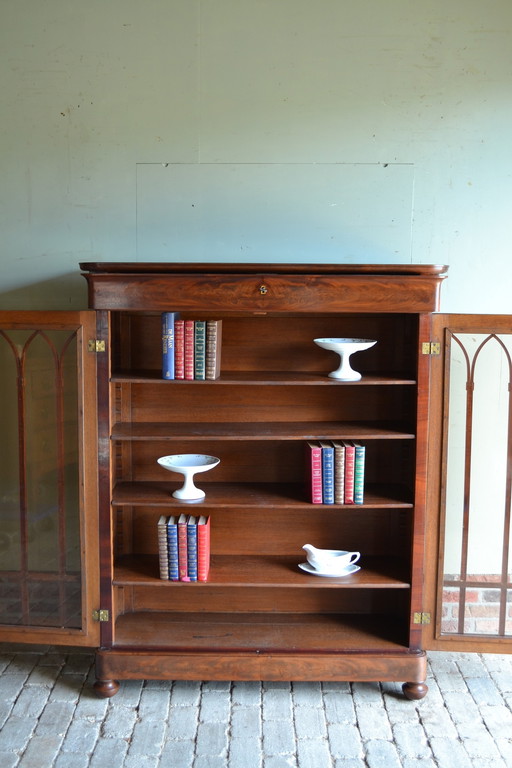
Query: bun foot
(415, 691)
(105, 689)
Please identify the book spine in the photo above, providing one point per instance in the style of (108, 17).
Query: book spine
(182, 548)
(314, 472)
(200, 350)
(327, 473)
(203, 548)
(172, 545)
(349, 472)
(339, 473)
(179, 349)
(192, 548)
(163, 558)
(168, 321)
(189, 348)
(213, 348)
(359, 462)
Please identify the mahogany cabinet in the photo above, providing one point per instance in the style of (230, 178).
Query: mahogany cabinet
(258, 617)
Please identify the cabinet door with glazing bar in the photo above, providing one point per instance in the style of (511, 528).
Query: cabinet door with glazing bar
(468, 571)
(48, 478)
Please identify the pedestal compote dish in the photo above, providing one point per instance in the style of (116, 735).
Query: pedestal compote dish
(188, 465)
(344, 348)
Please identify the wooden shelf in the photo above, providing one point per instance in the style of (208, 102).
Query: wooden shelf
(250, 496)
(277, 378)
(320, 430)
(264, 571)
(261, 632)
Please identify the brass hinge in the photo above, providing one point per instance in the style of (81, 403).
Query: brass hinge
(421, 618)
(101, 615)
(96, 345)
(431, 348)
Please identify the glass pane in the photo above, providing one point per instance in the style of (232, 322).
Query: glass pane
(477, 502)
(39, 478)
(482, 611)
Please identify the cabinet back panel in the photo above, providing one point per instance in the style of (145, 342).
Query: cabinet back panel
(238, 532)
(197, 597)
(375, 532)
(387, 461)
(208, 402)
(257, 462)
(272, 343)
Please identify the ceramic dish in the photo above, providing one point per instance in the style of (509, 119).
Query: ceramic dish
(313, 571)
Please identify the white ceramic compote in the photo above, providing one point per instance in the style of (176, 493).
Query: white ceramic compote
(188, 465)
(344, 348)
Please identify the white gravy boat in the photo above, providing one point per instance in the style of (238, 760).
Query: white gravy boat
(330, 559)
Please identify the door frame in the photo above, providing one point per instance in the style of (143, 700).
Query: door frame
(84, 323)
(437, 440)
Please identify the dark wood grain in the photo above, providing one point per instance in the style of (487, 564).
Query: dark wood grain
(259, 378)
(266, 571)
(310, 430)
(234, 288)
(255, 495)
(270, 632)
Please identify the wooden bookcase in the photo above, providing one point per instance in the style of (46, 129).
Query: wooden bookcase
(259, 617)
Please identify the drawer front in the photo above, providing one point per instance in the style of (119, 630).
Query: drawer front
(229, 293)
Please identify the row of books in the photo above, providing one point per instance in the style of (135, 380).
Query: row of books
(184, 547)
(191, 349)
(336, 472)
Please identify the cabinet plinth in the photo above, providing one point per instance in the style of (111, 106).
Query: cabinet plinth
(259, 616)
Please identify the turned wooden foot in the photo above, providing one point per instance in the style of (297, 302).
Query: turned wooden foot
(105, 689)
(414, 691)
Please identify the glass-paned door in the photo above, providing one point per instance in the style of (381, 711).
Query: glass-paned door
(472, 445)
(48, 508)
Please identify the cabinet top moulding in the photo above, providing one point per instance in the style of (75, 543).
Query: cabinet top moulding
(264, 288)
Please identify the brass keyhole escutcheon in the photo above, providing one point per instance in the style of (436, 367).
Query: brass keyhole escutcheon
(263, 289)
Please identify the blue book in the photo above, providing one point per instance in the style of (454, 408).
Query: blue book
(168, 319)
(172, 547)
(192, 548)
(327, 472)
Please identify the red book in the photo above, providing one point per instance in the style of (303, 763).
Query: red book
(203, 547)
(179, 349)
(189, 348)
(314, 470)
(350, 458)
(182, 548)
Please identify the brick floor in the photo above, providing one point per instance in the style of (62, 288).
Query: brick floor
(51, 718)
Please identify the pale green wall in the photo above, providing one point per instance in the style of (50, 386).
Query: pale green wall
(93, 91)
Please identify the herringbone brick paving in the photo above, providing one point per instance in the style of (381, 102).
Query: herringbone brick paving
(51, 718)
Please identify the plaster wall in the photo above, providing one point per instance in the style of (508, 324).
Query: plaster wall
(95, 95)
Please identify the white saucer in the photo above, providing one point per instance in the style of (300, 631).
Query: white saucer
(345, 572)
